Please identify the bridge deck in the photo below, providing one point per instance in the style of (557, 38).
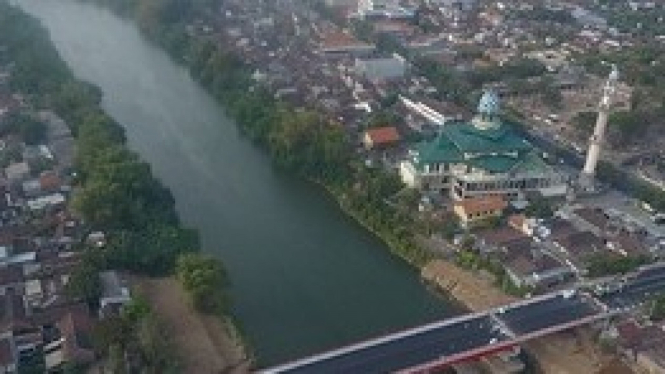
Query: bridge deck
(533, 317)
(408, 351)
(471, 335)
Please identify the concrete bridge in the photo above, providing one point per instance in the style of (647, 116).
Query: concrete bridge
(464, 338)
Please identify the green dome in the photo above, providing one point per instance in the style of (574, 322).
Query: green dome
(489, 104)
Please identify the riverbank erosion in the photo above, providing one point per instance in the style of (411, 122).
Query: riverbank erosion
(569, 352)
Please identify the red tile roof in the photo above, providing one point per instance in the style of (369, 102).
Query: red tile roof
(49, 181)
(383, 135)
(482, 204)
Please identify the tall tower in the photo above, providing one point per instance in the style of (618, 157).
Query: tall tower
(587, 176)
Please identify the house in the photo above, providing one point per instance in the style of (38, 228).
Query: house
(521, 223)
(560, 228)
(115, 293)
(17, 172)
(643, 345)
(628, 243)
(530, 267)
(8, 359)
(499, 239)
(49, 181)
(595, 217)
(381, 68)
(381, 137)
(580, 247)
(75, 342)
(477, 209)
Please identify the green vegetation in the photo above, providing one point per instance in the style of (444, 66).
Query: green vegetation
(204, 278)
(540, 208)
(84, 283)
(32, 131)
(658, 308)
(138, 335)
(602, 264)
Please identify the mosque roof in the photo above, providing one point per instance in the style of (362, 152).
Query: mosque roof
(489, 103)
(497, 149)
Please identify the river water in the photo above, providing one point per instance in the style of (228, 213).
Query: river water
(305, 278)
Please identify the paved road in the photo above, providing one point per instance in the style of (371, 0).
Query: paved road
(538, 316)
(626, 205)
(637, 289)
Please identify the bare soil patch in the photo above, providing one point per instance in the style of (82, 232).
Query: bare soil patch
(206, 344)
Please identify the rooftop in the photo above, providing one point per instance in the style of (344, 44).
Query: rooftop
(383, 135)
(482, 204)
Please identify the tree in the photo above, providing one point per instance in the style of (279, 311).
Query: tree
(539, 208)
(205, 279)
(84, 283)
(32, 131)
(584, 123)
(658, 308)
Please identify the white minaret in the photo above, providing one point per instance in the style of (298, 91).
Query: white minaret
(587, 177)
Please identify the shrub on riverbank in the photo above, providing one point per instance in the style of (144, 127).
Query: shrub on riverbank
(204, 279)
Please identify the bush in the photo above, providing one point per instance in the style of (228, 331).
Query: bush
(205, 280)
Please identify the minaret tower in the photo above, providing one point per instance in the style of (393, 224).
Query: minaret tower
(587, 177)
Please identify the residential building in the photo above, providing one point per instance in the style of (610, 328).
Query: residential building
(381, 68)
(530, 267)
(480, 208)
(114, 295)
(482, 157)
(495, 240)
(8, 359)
(381, 137)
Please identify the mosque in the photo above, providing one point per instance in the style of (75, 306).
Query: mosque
(480, 158)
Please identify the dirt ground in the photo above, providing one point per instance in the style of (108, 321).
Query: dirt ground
(205, 343)
(563, 353)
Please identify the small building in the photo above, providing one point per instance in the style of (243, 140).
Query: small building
(529, 267)
(477, 209)
(521, 223)
(381, 137)
(8, 359)
(381, 68)
(115, 293)
(580, 246)
(17, 172)
(75, 343)
(500, 239)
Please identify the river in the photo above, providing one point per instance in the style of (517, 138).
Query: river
(305, 278)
